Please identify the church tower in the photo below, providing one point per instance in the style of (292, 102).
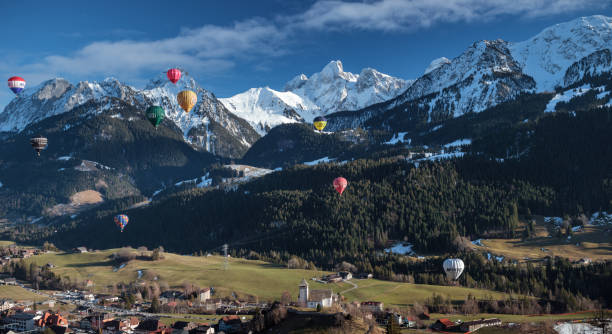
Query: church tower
(303, 294)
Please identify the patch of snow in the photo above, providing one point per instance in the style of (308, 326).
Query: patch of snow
(1, 184)
(61, 169)
(459, 142)
(576, 328)
(186, 182)
(402, 248)
(139, 274)
(119, 116)
(554, 220)
(35, 220)
(576, 228)
(477, 242)
(442, 156)
(278, 169)
(73, 216)
(568, 95)
(319, 161)
(65, 157)
(399, 138)
(602, 95)
(206, 182)
(157, 192)
(436, 128)
(601, 218)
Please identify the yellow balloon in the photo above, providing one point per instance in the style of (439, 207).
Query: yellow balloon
(187, 99)
(320, 125)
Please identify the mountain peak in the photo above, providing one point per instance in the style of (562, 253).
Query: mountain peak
(334, 67)
(436, 63)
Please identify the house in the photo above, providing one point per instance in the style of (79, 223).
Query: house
(96, 320)
(152, 326)
(471, 326)
(20, 322)
(442, 325)
(113, 327)
(89, 297)
(183, 327)
(332, 278)
(89, 283)
(51, 319)
(346, 275)
(170, 296)
(424, 316)
(6, 304)
(203, 329)
(230, 324)
(364, 276)
(308, 298)
(409, 322)
(372, 306)
(10, 281)
(48, 303)
(80, 250)
(204, 295)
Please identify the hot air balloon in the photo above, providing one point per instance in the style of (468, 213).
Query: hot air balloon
(39, 143)
(121, 221)
(187, 99)
(174, 74)
(340, 184)
(320, 123)
(16, 84)
(155, 115)
(453, 268)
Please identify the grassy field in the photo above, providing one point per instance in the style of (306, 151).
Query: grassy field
(243, 277)
(402, 294)
(18, 293)
(4, 243)
(594, 242)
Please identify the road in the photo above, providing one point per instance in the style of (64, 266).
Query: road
(355, 286)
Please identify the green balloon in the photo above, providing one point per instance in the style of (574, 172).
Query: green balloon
(155, 115)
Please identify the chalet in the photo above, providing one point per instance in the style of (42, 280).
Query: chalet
(471, 326)
(204, 295)
(51, 319)
(89, 283)
(443, 325)
(372, 306)
(114, 327)
(230, 324)
(171, 296)
(346, 275)
(6, 304)
(80, 250)
(152, 326)
(183, 327)
(96, 320)
(314, 298)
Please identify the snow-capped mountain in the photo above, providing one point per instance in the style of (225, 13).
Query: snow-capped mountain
(209, 125)
(304, 98)
(491, 72)
(265, 108)
(547, 55)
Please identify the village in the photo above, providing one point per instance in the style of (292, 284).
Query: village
(199, 310)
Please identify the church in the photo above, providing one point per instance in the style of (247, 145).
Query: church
(308, 298)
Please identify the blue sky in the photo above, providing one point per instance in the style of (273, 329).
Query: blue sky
(230, 46)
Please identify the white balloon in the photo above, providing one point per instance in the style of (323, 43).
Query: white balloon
(453, 268)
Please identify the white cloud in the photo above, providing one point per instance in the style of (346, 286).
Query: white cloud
(208, 49)
(397, 15)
